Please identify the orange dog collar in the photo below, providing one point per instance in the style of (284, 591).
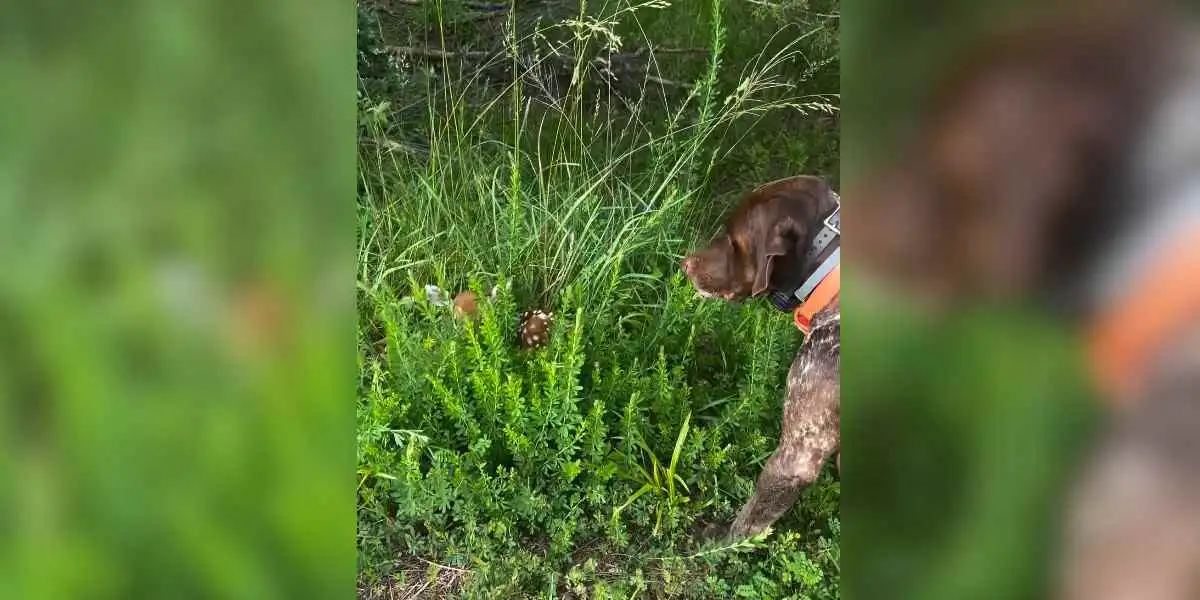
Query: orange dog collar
(821, 297)
(1158, 305)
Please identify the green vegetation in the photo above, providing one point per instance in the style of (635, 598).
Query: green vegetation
(569, 154)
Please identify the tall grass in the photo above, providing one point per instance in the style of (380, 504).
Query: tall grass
(489, 471)
(570, 192)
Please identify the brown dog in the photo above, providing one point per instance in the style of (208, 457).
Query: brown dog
(763, 249)
(764, 242)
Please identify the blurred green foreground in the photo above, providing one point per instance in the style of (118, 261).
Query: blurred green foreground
(175, 308)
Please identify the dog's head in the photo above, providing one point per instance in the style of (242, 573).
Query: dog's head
(764, 242)
(1015, 181)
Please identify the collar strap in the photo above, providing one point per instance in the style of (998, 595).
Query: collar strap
(1159, 304)
(829, 235)
(824, 293)
(831, 230)
(826, 267)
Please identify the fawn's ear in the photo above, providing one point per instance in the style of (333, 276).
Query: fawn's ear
(779, 240)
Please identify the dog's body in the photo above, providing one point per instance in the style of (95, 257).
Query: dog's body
(763, 249)
(811, 426)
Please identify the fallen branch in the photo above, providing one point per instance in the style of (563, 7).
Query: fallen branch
(482, 16)
(662, 50)
(440, 54)
(668, 82)
(486, 6)
(631, 66)
(435, 53)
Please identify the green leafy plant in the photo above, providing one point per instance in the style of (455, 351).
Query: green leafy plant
(659, 480)
(490, 471)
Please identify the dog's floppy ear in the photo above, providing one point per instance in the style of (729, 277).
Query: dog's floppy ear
(783, 221)
(779, 240)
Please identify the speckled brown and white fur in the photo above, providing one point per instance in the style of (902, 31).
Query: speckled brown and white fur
(811, 426)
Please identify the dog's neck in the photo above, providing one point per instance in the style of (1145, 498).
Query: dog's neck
(1162, 188)
(814, 257)
(1122, 292)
